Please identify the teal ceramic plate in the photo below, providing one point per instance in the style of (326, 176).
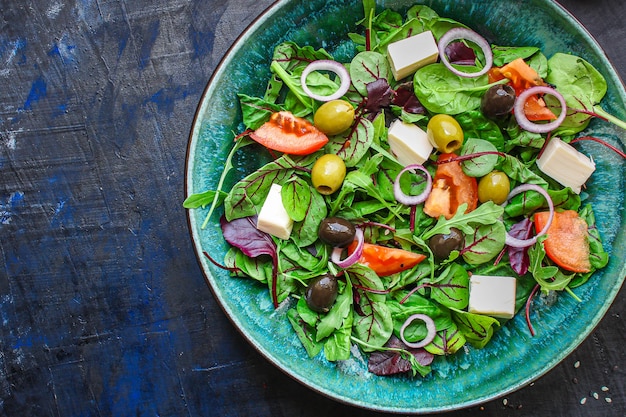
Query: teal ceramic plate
(513, 358)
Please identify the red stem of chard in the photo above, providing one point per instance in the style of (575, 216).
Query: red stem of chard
(600, 141)
(528, 301)
(469, 156)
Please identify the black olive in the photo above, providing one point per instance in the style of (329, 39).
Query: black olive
(336, 232)
(498, 101)
(321, 293)
(443, 245)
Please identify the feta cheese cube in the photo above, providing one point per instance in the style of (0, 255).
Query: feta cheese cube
(408, 143)
(273, 218)
(492, 296)
(562, 162)
(408, 55)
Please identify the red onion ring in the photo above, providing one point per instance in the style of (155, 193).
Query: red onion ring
(524, 243)
(526, 124)
(430, 327)
(467, 34)
(326, 65)
(354, 256)
(408, 200)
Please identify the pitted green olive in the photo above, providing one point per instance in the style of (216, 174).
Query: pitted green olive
(328, 173)
(336, 232)
(495, 187)
(321, 293)
(444, 133)
(334, 117)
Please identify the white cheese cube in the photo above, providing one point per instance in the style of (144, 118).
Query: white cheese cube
(273, 218)
(562, 162)
(408, 143)
(492, 296)
(408, 55)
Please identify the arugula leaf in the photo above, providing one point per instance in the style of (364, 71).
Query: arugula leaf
(485, 214)
(305, 332)
(334, 319)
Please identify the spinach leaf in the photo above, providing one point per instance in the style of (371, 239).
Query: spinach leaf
(504, 54)
(581, 85)
(441, 91)
(256, 111)
(476, 125)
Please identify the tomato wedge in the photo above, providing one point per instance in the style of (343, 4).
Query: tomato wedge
(567, 244)
(385, 260)
(290, 134)
(451, 188)
(522, 76)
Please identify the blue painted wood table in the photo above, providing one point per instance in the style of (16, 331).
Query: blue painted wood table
(103, 308)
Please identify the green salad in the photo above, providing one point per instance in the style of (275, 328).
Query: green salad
(413, 204)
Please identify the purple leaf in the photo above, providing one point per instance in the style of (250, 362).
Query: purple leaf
(405, 97)
(460, 54)
(518, 257)
(243, 234)
(390, 363)
(379, 95)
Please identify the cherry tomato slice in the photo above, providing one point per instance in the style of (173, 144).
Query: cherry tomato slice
(567, 244)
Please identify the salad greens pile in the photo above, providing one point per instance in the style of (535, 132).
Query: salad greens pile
(370, 310)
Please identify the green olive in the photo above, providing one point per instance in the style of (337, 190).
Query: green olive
(321, 293)
(336, 232)
(444, 133)
(495, 187)
(328, 173)
(442, 245)
(334, 117)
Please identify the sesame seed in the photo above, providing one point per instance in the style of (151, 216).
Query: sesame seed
(583, 400)
(595, 395)
(608, 400)
(505, 401)
(604, 389)
(577, 364)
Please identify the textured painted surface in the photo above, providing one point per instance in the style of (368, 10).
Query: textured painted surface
(103, 309)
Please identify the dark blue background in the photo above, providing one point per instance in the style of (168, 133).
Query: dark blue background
(103, 308)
